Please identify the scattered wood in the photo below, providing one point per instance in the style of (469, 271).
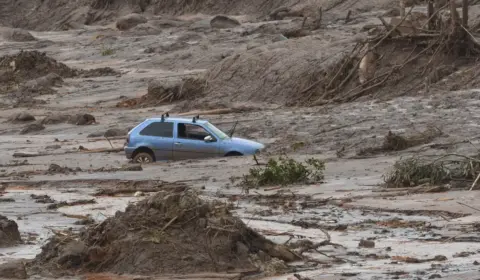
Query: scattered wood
(133, 189)
(72, 203)
(27, 154)
(208, 112)
(347, 18)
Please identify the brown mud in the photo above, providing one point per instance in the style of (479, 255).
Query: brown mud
(165, 234)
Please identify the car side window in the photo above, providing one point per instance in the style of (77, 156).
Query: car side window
(192, 132)
(158, 129)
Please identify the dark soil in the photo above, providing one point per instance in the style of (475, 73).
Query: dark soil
(173, 232)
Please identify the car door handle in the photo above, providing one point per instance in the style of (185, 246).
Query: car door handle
(178, 144)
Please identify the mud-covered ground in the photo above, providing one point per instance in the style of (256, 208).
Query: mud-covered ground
(416, 235)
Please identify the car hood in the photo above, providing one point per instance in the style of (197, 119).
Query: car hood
(245, 143)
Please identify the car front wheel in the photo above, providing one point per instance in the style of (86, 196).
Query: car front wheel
(143, 158)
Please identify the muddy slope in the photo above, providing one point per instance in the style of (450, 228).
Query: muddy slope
(64, 14)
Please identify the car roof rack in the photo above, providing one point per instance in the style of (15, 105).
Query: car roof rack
(194, 119)
(165, 116)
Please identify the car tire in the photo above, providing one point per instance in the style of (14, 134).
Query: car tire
(234, 154)
(143, 158)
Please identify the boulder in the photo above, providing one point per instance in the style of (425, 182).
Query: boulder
(129, 21)
(34, 127)
(13, 270)
(82, 119)
(222, 22)
(21, 117)
(9, 234)
(17, 35)
(56, 119)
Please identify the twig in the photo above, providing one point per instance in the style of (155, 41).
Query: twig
(476, 209)
(109, 142)
(169, 223)
(347, 125)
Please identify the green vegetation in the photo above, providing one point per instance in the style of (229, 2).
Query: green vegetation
(107, 51)
(285, 171)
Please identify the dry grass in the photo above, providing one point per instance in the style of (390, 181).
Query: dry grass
(415, 171)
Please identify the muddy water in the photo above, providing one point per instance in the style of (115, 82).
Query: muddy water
(36, 223)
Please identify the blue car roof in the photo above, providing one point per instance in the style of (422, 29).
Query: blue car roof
(183, 120)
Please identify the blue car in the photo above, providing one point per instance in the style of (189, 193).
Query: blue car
(166, 138)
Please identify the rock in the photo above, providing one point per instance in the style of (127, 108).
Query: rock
(26, 154)
(49, 80)
(17, 35)
(138, 194)
(13, 270)
(366, 244)
(53, 147)
(55, 168)
(82, 119)
(476, 263)
(56, 119)
(112, 132)
(42, 198)
(222, 22)
(435, 276)
(129, 21)
(9, 234)
(6, 199)
(21, 117)
(463, 254)
(34, 127)
(132, 167)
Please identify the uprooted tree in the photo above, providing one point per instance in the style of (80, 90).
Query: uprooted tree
(414, 52)
(415, 171)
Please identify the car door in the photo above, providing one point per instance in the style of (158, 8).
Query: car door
(158, 136)
(189, 142)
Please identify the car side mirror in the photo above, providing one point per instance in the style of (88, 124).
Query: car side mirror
(208, 139)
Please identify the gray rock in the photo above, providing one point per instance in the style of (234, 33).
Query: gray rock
(56, 119)
(34, 127)
(9, 234)
(21, 117)
(129, 21)
(366, 244)
(82, 119)
(222, 22)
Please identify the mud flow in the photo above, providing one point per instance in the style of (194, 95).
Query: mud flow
(368, 111)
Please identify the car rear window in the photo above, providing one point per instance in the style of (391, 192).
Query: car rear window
(158, 129)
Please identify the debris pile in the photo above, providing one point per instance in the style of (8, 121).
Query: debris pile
(163, 91)
(27, 74)
(9, 234)
(383, 64)
(415, 171)
(278, 73)
(173, 232)
(394, 142)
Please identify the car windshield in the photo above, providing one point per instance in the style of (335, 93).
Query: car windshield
(220, 134)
